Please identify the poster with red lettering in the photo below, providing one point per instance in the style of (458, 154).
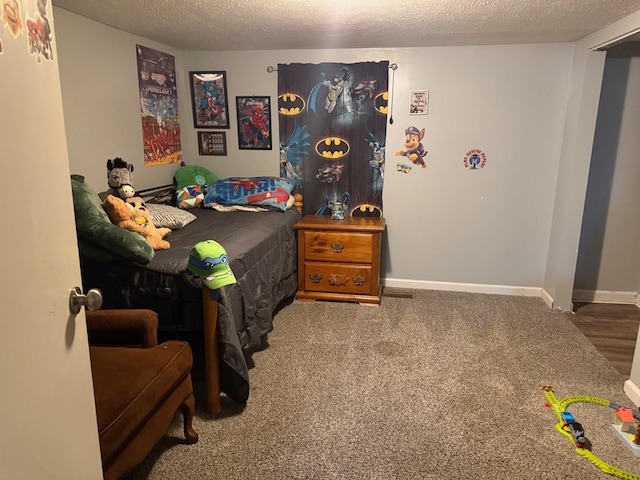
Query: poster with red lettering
(158, 107)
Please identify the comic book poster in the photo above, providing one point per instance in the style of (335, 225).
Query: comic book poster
(333, 121)
(158, 107)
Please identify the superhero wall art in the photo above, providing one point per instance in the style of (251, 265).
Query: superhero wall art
(333, 119)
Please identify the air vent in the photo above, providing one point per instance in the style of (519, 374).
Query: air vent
(397, 292)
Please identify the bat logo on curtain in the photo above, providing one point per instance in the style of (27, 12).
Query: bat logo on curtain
(332, 147)
(366, 210)
(290, 104)
(381, 103)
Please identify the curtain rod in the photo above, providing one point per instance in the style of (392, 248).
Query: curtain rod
(270, 69)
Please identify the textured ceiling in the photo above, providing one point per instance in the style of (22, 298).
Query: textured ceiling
(308, 24)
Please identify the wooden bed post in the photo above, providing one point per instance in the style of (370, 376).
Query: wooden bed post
(212, 370)
(298, 202)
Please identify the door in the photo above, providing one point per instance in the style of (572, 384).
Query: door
(47, 408)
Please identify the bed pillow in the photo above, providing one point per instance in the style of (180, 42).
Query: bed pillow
(247, 208)
(169, 216)
(193, 175)
(191, 196)
(270, 192)
(98, 238)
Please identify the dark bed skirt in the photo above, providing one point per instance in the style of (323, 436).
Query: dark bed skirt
(262, 249)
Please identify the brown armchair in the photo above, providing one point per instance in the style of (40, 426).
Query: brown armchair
(137, 390)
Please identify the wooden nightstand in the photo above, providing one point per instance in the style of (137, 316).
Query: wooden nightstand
(339, 259)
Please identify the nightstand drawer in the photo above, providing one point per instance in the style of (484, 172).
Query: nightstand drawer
(339, 259)
(338, 246)
(323, 277)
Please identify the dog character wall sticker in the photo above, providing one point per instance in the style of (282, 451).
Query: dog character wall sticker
(413, 149)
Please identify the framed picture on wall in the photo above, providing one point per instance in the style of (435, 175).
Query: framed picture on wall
(419, 103)
(254, 123)
(212, 143)
(209, 99)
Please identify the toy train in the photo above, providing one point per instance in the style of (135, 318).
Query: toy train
(577, 432)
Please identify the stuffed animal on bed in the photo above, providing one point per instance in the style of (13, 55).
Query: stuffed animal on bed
(134, 216)
(120, 179)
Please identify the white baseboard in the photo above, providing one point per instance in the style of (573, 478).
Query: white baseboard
(548, 299)
(605, 296)
(597, 296)
(464, 287)
(632, 391)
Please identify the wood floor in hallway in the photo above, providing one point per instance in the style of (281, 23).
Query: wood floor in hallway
(611, 328)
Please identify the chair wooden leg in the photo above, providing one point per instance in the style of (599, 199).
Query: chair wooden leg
(188, 409)
(212, 372)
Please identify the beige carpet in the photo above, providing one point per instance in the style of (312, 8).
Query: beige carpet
(443, 385)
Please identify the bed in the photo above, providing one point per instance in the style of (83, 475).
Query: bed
(262, 251)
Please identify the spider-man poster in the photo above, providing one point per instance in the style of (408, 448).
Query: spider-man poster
(333, 123)
(254, 123)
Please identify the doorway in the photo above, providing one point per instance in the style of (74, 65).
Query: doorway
(607, 278)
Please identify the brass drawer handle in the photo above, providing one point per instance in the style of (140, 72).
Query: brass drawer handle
(337, 247)
(358, 280)
(337, 279)
(315, 277)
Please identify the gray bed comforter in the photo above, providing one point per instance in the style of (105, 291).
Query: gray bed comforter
(263, 256)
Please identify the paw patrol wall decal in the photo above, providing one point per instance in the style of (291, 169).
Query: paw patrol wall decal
(475, 159)
(413, 149)
(401, 167)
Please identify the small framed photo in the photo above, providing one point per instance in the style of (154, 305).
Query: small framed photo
(419, 103)
(254, 123)
(209, 99)
(212, 143)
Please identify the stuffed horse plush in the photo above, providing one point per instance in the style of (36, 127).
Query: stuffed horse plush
(120, 178)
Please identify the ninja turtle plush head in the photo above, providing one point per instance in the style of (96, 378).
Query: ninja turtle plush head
(209, 266)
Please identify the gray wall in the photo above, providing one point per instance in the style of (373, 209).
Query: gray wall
(608, 267)
(446, 224)
(586, 79)
(99, 81)
(512, 227)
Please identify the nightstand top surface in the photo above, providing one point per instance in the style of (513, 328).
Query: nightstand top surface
(325, 222)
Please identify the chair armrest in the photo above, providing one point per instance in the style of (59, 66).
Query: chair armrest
(123, 327)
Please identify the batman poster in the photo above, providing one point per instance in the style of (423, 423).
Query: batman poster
(333, 122)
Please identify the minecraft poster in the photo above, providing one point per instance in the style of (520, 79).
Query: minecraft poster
(158, 107)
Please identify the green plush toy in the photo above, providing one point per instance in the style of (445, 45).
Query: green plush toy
(98, 238)
(190, 175)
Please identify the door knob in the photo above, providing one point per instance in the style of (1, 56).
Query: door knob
(92, 300)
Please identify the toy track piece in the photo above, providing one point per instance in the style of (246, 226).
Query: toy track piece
(560, 428)
(553, 401)
(566, 401)
(560, 406)
(605, 467)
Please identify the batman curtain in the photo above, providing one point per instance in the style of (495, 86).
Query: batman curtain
(333, 123)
